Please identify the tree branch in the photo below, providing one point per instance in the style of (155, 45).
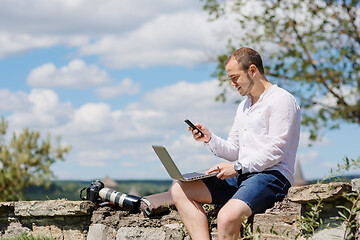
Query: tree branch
(318, 73)
(355, 71)
(352, 21)
(279, 76)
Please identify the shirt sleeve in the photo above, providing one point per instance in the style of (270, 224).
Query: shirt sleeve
(226, 149)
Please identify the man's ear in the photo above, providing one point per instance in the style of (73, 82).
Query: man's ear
(252, 69)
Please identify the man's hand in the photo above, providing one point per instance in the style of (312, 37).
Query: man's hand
(225, 170)
(197, 135)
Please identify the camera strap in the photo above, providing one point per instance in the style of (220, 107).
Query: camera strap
(147, 208)
(81, 197)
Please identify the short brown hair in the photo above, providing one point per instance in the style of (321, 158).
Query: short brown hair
(247, 56)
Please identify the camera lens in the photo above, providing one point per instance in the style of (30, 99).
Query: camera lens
(127, 202)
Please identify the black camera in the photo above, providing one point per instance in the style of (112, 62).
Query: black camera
(92, 192)
(103, 196)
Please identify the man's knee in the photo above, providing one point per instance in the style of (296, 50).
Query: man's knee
(234, 212)
(225, 218)
(177, 191)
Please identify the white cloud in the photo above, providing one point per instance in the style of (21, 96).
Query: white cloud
(91, 118)
(91, 17)
(76, 74)
(13, 44)
(183, 38)
(96, 158)
(44, 110)
(13, 101)
(158, 32)
(126, 86)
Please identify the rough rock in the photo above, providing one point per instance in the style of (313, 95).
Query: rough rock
(282, 217)
(355, 185)
(101, 232)
(53, 208)
(311, 193)
(15, 228)
(334, 233)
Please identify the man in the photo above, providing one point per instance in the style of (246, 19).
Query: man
(261, 148)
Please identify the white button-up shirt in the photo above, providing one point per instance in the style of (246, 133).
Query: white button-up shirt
(264, 136)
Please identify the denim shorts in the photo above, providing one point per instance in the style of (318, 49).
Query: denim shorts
(258, 190)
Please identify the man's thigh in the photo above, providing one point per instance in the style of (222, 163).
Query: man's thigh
(221, 190)
(194, 190)
(258, 190)
(261, 190)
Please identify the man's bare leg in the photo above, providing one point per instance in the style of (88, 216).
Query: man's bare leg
(230, 219)
(188, 197)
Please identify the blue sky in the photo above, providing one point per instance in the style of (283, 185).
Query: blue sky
(114, 77)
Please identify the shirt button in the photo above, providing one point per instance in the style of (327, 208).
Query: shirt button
(245, 129)
(243, 145)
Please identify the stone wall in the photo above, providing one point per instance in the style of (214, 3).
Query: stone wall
(282, 218)
(68, 220)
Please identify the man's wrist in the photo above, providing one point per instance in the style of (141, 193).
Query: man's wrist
(238, 168)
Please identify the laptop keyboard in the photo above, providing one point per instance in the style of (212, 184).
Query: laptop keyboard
(193, 175)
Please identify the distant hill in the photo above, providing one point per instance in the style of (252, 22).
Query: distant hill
(70, 189)
(345, 178)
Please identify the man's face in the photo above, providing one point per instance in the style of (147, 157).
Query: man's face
(240, 79)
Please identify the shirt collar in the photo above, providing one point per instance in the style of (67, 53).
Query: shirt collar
(265, 93)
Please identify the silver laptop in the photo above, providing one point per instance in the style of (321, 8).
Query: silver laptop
(173, 170)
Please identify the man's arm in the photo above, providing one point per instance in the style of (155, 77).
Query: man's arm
(227, 149)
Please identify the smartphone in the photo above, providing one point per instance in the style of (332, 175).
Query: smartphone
(193, 126)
